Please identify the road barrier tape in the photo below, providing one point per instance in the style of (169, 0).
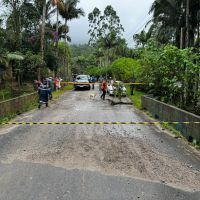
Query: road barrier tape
(97, 123)
(86, 83)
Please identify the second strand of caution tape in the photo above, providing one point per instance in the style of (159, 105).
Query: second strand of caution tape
(96, 123)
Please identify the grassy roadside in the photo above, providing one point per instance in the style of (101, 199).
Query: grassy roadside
(136, 98)
(33, 105)
(57, 94)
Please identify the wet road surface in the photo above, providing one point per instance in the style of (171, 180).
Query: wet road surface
(94, 161)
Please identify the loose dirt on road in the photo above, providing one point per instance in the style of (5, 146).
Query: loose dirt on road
(121, 150)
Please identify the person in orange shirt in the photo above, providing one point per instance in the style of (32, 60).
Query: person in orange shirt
(56, 83)
(104, 89)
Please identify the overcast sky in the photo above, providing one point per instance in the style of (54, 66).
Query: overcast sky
(133, 15)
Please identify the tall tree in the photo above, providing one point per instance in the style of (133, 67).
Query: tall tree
(42, 34)
(55, 3)
(69, 11)
(175, 19)
(44, 8)
(105, 32)
(14, 21)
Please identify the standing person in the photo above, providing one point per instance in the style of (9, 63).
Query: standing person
(59, 83)
(104, 89)
(100, 91)
(131, 87)
(43, 92)
(36, 84)
(50, 86)
(56, 83)
(93, 81)
(51, 83)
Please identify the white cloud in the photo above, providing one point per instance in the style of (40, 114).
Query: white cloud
(133, 14)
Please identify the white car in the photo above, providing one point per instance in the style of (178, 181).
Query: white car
(112, 88)
(82, 81)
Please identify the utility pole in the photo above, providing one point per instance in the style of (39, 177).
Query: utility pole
(187, 23)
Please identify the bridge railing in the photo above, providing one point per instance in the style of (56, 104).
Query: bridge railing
(18, 104)
(169, 113)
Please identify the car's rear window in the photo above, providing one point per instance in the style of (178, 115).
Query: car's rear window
(82, 78)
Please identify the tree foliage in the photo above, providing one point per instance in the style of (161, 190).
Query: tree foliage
(105, 28)
(169, 17)
(105, 33)
(172, 74)
(126, 69)
(27, 30)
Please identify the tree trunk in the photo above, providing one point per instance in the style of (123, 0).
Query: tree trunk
(181, 38)
(198, 37)
(187, 23)
(65, 63)
(57, 19)
(18, 81)
(42, 35)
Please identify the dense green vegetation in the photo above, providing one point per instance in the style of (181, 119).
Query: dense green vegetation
(166, 57)
(169, 53)
(172, 74)
(124, 69)
(136, 98)
(65, 88)
(33, 43)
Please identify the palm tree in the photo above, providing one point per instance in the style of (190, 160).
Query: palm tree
(69, 11)
(170, 21)
(6, 73)
(141, 38)
(14, 21)
(45, 11)
(43, 27)
(178, 19)
(55, 3)
(167, 20)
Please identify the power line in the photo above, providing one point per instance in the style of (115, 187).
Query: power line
(136, 26)
(128, 39)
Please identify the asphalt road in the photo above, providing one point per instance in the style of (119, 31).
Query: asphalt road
(94, 162)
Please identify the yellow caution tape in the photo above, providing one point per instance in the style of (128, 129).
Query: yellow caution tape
(86, 83)
(96, 123)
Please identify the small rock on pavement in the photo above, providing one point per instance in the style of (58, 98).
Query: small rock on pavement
(162, 181)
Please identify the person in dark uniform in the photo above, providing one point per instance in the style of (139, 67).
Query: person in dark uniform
(44, 93)
(131, 87)
(93, 81)
(104, 89)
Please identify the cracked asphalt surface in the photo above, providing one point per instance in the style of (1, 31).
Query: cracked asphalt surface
(94, 162)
